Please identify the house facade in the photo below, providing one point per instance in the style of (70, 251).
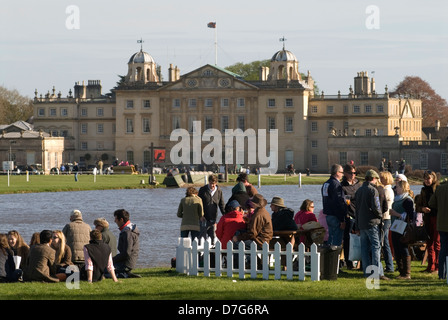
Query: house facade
(313, 130)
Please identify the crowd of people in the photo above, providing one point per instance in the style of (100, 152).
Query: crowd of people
(244, 215)
(54, 255)
(367, 209)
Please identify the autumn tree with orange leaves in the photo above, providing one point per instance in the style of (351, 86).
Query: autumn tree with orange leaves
(434, 107)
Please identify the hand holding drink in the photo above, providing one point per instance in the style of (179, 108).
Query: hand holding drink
(347, 200)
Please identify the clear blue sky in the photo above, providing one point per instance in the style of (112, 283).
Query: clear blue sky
(329, 38)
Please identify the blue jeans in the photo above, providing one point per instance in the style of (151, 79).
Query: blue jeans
(443, 253)
(387, 252)
(335, 233)
(371, 249)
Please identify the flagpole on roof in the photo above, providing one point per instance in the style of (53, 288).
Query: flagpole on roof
(216, 45)
(213, 26)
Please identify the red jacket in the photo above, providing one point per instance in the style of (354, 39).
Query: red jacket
(228, 225)
(303, 217)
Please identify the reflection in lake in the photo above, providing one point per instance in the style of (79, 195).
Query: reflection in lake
(153, 210)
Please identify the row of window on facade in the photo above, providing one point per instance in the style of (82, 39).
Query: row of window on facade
(64, 112)
(224, 102)
(356, 109)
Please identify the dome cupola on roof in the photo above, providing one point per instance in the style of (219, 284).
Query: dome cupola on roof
(141, 67)
(283, 55)
(141, 57)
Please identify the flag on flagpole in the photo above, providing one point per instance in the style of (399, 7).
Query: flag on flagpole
(211, 25)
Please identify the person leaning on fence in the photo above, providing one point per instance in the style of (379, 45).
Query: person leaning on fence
(230, 223)
(98, 258)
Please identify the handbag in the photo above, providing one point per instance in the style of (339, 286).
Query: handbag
(414, 233)
(354, 253)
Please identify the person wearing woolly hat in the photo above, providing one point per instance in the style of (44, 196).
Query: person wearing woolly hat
(75, 214)
(400, 176)
(108, 237)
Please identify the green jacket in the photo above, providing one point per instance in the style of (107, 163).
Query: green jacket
(190, 210)
(439, 200)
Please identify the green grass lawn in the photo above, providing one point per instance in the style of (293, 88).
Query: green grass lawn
(56, 183)
(166, 284)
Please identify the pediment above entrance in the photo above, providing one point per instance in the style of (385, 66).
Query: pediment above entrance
(209, 77)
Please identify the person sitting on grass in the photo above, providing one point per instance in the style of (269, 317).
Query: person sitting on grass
(40, 264)
(128, 245)
(98, 258)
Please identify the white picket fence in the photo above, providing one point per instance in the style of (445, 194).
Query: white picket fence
(188, 257)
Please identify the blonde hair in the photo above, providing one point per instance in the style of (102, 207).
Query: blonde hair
(60, 252)
(406, 187)
(387, 177)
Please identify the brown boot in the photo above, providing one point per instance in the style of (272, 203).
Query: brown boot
(399, 262)
(406, 275)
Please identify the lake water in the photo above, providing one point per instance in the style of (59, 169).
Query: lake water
(153, 210)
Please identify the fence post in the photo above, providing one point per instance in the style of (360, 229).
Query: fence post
(278, 261)
(289, 256)
(229, 259)
(218, 258)
(301, 261)
(253, 260)
(183, 255)
(206, 257)
(315, 263)
(265, 260)
(241, 260)
(194, 260)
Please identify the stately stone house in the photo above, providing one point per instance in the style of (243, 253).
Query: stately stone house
(314, 130)
(29, 149)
